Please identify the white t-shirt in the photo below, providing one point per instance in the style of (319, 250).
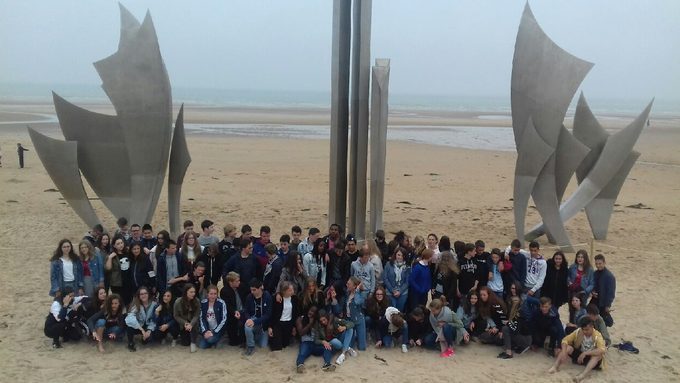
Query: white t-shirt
(287, 313)
(67, 270)
(587, 344)
(210, 316)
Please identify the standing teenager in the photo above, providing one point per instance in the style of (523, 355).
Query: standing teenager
(395, 277)
(66, 270)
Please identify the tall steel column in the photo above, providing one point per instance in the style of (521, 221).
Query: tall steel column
(379, 111)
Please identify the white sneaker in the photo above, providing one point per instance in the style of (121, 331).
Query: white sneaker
(193, 347)
(341, 359)
(174, 343)
(352, 353)
(404, 348)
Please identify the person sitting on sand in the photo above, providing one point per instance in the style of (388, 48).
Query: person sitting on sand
(351, 308)
(312, 341)
(492, 310)
(577, 311)
(109, 323)
(257, 313)
(165, 320)
(516, 333)
(419, 326)
(593, 313)
(446, 327)
(141, 318)
(545, 322)
(212, 318)
(60, 322)
(585, 346)
(186, 311)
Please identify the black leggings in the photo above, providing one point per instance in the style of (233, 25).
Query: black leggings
(188, 337)
(282, 334)
(131, 332)
(160, 335)
(235, 331)
(62, 329)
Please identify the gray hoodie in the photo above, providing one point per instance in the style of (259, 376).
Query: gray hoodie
(449, 317)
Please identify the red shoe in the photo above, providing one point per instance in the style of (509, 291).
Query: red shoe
(448, 353)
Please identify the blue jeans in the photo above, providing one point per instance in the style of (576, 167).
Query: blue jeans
(255, 334)
(213, 340)
(343, 341)
(310, 348)
(116, 330)
(400, 302)
(449, 335)
(386, 337)
(360, 333)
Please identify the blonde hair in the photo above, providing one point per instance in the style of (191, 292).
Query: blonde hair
(90, 252)
(436, 304)
(232, 276)
(228, 228)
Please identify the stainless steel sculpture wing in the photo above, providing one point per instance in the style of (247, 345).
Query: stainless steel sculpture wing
(179, 163)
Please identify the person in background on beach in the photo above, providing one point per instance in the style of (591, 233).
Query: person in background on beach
(544, 322)
(418, 326)
(447, 326)
(585, 346)
(188, 226)
(604, 291)
(581, 275)
(518, 258)
(482, 258)
(420, 280)
(148, 240)
(61, 322)
(123, 230)
(382, 245)
(577, 310)
(186, 311)
(232, 299)
(396, 276)
(593, 313)
(0, 157)
(469, 270)
(363, 269)
(109, 323)
(433, 244)
(282, 323)
(284, 247)
(296, 235)
(93, 235)
(212, 319)
(93, 267)
(165, 320)
(214, 263)
(312, 341)
(140, 318)
(66, 270)
(20, 152)
(257, 314)
(206, 238)
(259, 245)
(307, 245)
(245, 265)
(351, 248)
(190, 249)
(333, 235)
(226, 245)
(536, 269)
(555, 283)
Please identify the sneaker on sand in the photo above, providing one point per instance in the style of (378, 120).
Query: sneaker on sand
(328, 367)
(300, 368)
(56, 344)
(448, 353)
(250, 351)
(174, 343)
(504, 355)
(131, 347)
(193, 347)
(340, 359)
(404, 348)
(352, 352)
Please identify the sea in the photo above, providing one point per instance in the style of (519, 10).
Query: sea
(486, 108)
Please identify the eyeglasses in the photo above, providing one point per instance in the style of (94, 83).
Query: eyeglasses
(379, 294)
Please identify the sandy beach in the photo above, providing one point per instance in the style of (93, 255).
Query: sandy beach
(465, 194)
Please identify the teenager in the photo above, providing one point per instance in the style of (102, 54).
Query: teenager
(310, 296)
(295, 237)
(496, 267)
(284, 314)
(577, 311)
(420, 280)
(207, 238)
(190, 248)
(491, 309)
(109, 323)
(516, 333)
(245, 265)
(246, 236)
(467, 313)
(433, 244)
(395, 277)
(419, 326)
(188, 226)
(61, 322)
(482, 258)
(383, 246)
(581, 274)
(312, 341)
(555, 283)
(214, 263)
(284, 247)
(93, 267)
(339, 267)
(165, 319)
(148, 240)
(604, 291)
(232, 299)
(135, 235)
(585, 347)
(273, 269)
(141, 270)
(172, 271)
(307, 245)
(333, 236)
(392, 325)
(212, 319)
(363, 269)
(66, 270)
(197, 278)
(93, 235)
(593, 313)
(469, 277)
(445, 280)
(226, 245)
(447, 327)
(140, 319)
(95, 303)
(518, 258)
(315, 263)
(186, 312)
(338, 332)
(257, 314)
(118, 266)
(351, 248)
(103, 248)
(536, 269)
(544, 322)
(350, 308)
(375, 259)
(375, 308)
(294, 272)
(123, 229)
(161, 244)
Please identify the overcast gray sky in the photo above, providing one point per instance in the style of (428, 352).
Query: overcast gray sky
(436, 47)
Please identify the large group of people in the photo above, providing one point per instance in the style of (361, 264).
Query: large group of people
(329, 294)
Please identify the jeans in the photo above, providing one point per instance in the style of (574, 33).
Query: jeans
(386, 337)
(310, 348)
(400, 302)
(509, 339)
(343, 341)
(255, 334)
(213, 340)
(372, 327)
(360, 333)
(449, 335)
(116, 330)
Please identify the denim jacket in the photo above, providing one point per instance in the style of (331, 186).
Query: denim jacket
(57, 276)
(587, 280)
(356, 313)
(97, 268)
(389, 277)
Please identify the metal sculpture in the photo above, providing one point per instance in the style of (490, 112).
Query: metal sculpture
(544, 80)
(379, 111)
(124, 157)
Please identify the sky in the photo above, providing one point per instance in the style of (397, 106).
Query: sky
(436, 47)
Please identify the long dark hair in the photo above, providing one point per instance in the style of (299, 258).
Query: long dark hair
(106, 249)
(467, 306)
(108, 311)
(292, 262)
(57, 253)
(586, 261)
(484, 308)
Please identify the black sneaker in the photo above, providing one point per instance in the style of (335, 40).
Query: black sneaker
(56, 344)
(328, 367)
(504, 355)
(131, 347)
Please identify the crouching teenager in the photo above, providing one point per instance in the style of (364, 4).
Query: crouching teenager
(140, 319)
(212, 319)
(186, 311)
(447, 327)
(61, 322)
(391, 326)
(165, 320)
(312, 341)
(585, 346)
(109, 323)
(258, 311)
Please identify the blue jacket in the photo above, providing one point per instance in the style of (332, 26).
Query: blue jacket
(57, 275)
(587, 280)
(249, 305)
(220, 309)
(605, 286)
(162, 271)
(97, 268)
(519, 267)
(356, 308)
(549, 324)
(390, 279)
(420, 279)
